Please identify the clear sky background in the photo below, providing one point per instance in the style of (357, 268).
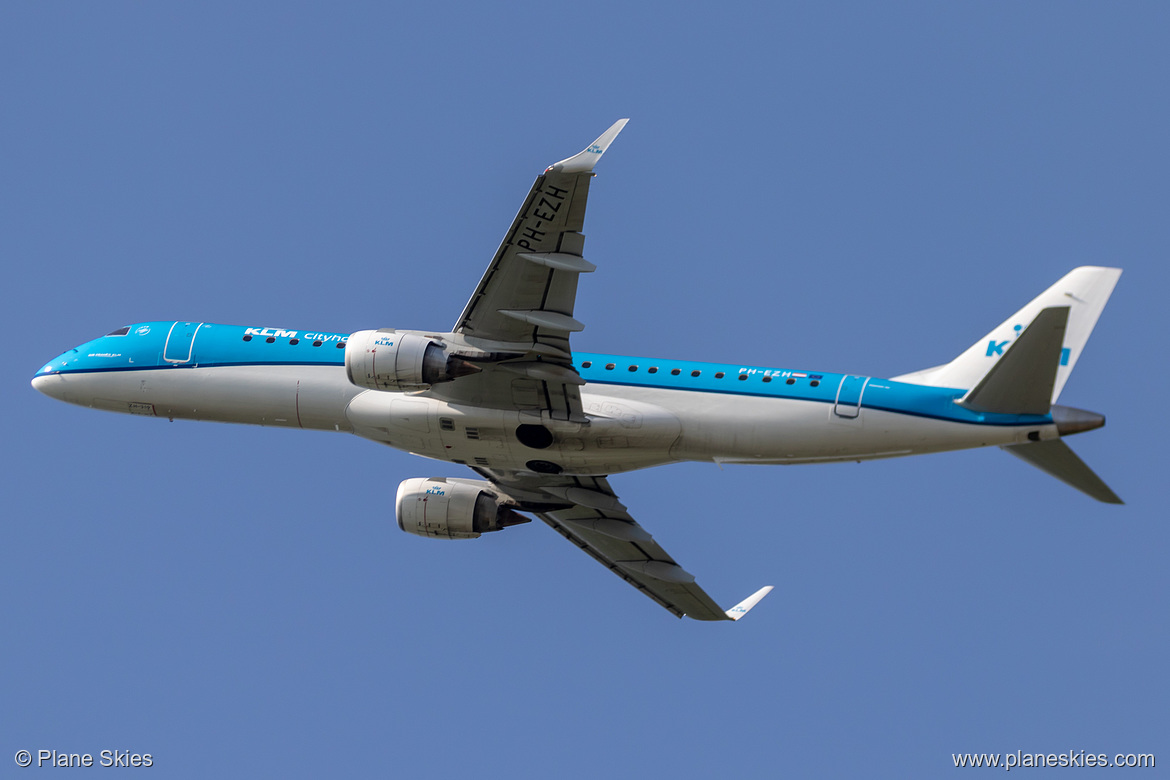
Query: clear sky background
(844, 187)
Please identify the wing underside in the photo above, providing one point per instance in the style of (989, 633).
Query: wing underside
(523, 305)
(521, 314)
(590, 516)
(671, 587)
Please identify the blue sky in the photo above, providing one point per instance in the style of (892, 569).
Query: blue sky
(844, 187)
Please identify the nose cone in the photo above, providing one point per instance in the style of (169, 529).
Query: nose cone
(49, 379)
(50, 383)
(52, 386)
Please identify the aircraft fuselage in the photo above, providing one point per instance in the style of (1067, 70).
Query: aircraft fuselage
(641, 412)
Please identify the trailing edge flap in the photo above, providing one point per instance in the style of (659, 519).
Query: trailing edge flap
(1055, 458)
(1021, 382)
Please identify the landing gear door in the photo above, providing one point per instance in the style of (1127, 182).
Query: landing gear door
(849, 394)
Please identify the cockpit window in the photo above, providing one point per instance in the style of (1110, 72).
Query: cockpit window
(120, 331)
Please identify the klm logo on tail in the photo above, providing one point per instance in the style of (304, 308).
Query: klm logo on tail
(996, 348)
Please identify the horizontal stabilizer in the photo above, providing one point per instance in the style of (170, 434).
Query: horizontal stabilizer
(1021, 381)
(1057, 459)
(745, 606)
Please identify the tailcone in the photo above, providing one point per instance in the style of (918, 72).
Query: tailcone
(1069, 420)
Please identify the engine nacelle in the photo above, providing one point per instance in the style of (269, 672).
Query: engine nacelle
(444, 508)
(387, 359)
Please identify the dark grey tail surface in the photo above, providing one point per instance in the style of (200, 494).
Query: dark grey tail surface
(1021, 366)
(1023, 379)
(1057, 459)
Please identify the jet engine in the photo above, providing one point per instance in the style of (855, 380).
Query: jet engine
(443, 508)
(387, 359)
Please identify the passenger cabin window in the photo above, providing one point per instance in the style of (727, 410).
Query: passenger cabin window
(341, 345)
(652, 370)
(587, 364)
(633, 368)
(247, 337)
(696, 373)
(316, 343)
(791, 381)
(742, 377)
(271, 339)
(718, 374)
(120, 331)
(294, 342)
(675, 372)
(767, 378)
(610, 366)
(815, 383)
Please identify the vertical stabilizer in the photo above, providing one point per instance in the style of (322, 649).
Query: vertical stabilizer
(1083, 290)
(1021, 381)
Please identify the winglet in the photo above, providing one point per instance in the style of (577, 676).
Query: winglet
(583, 162)
(743, 607)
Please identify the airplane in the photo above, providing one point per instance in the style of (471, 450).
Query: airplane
(543, 426)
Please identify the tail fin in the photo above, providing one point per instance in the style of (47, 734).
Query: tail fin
(1083, 292)
(1021, 381)
(1022, 365)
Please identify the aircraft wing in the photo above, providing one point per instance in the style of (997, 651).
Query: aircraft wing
(523, 305)
(595, 520)
(522, 311)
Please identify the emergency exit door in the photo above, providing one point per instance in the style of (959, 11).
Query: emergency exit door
(849, 394)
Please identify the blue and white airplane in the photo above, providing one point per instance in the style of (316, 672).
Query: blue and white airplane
(504, 394)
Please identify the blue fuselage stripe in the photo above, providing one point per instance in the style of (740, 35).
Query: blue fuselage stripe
(223, 346)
